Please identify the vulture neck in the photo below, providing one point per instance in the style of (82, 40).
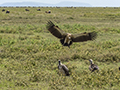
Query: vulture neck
(91, 62)
(59, 62)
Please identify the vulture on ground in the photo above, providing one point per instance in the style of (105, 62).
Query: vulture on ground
(67, 39)
(3, 10)
(92, 66)
(63, 69)
(27, 10)
(7, 11)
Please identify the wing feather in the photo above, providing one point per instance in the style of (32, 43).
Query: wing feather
(55, 30)
(66, 70)
(84, 36)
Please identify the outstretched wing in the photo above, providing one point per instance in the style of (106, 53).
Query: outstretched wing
(55, 30)
(84, 36)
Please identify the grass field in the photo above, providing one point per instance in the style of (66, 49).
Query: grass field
(29, 54)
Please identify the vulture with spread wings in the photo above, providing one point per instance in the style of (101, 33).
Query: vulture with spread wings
(67, 39)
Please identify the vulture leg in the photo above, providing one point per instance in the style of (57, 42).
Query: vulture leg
(65, 44)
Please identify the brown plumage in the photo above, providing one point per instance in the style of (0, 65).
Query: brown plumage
(63, 69)
(92, 66)
(66, 39)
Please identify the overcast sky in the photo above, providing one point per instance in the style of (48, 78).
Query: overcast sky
(94, 3)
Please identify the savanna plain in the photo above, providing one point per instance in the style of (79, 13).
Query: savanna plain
(29, 53)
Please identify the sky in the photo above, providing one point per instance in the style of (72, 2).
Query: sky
(94, 3)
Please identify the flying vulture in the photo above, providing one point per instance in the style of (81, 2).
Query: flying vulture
(67, 39)
(63, 69)
(92, 66)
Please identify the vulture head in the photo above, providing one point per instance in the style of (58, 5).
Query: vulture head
(67, 39)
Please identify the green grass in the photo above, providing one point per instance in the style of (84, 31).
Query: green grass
(29, 54)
